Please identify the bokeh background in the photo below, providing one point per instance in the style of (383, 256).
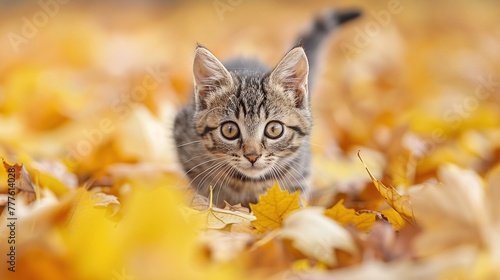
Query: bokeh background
(89, 89)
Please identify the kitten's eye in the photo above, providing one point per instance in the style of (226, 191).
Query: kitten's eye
(274, 130)
(230, 130)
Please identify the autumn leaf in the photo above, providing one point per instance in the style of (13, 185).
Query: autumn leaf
(273, 207)
(106, 200)
(317, 236)
(237, 208)
(339, 213)
(400, 203)
(23, 183)
(394, 218)
(215, 218)
(452, 212)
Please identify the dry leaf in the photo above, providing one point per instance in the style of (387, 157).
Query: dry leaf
(237, 208)
(394, 218)
(215, 218)
(105, 200)
(197, 201)
(273, 207)
(23, 183)
(316, 235)
(452, 213)
(224, 246)
(400, 203)
(362, 221)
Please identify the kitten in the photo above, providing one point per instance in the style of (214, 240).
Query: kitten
(249, 126)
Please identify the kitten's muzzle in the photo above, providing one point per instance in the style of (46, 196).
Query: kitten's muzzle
(252, 157)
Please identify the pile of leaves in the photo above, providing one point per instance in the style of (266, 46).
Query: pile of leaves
(406, 152)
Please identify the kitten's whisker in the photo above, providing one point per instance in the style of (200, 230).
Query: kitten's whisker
(189, 143)
(282, 175)
(187, 172)
(314, 144)
(228, 177)
(202, 184)
(217, 176)
(201, 173)
(285, 178)
(225, 170)
(302, 188)
(194, 158)
(206, 170)
(219, 107)
(274, 173)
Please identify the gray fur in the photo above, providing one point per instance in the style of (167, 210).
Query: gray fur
(251, 97)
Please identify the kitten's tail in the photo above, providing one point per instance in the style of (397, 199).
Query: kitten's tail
(322, 27)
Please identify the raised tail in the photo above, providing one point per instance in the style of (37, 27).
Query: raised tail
(314, 38)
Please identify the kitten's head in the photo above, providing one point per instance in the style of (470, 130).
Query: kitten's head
(254, 122)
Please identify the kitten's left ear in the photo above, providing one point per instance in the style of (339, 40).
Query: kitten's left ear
(209, 73)
(291, 74)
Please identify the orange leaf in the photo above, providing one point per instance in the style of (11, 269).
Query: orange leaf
(273, 207)
(339, 213)
(400, 203)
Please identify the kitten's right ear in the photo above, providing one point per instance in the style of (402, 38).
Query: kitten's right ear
(209, 73)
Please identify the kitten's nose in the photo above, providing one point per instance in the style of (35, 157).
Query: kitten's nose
(252, 157)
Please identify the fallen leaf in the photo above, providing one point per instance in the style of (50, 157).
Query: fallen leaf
(400, 203)
(23, 183)
(394, 218)
(224, 246)
(215, 218)
(317, 236)
(105, 200)
(339, 213)
(451, 213)
(236, 208)
(273, 207)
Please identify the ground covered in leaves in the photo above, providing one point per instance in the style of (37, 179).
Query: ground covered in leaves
(406, 144)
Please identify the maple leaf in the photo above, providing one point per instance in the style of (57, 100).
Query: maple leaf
(215, 218)
(273, 207)
(400, 203)
(339, 213)
(394, 218)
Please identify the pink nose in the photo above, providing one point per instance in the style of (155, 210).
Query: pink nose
(252, 157)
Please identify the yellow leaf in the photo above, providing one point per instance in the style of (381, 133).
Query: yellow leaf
(400, 203)
(216, 218)
(339, 213)
(394, 218)
(273, 207)
(105, 200)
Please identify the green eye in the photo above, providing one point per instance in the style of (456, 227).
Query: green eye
(274, 130)
(230, 130)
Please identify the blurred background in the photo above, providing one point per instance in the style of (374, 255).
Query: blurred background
(93, 84)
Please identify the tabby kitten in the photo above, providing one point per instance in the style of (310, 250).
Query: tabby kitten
(249, 126)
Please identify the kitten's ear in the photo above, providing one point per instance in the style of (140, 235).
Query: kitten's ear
(291, 74)
(209, 73)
